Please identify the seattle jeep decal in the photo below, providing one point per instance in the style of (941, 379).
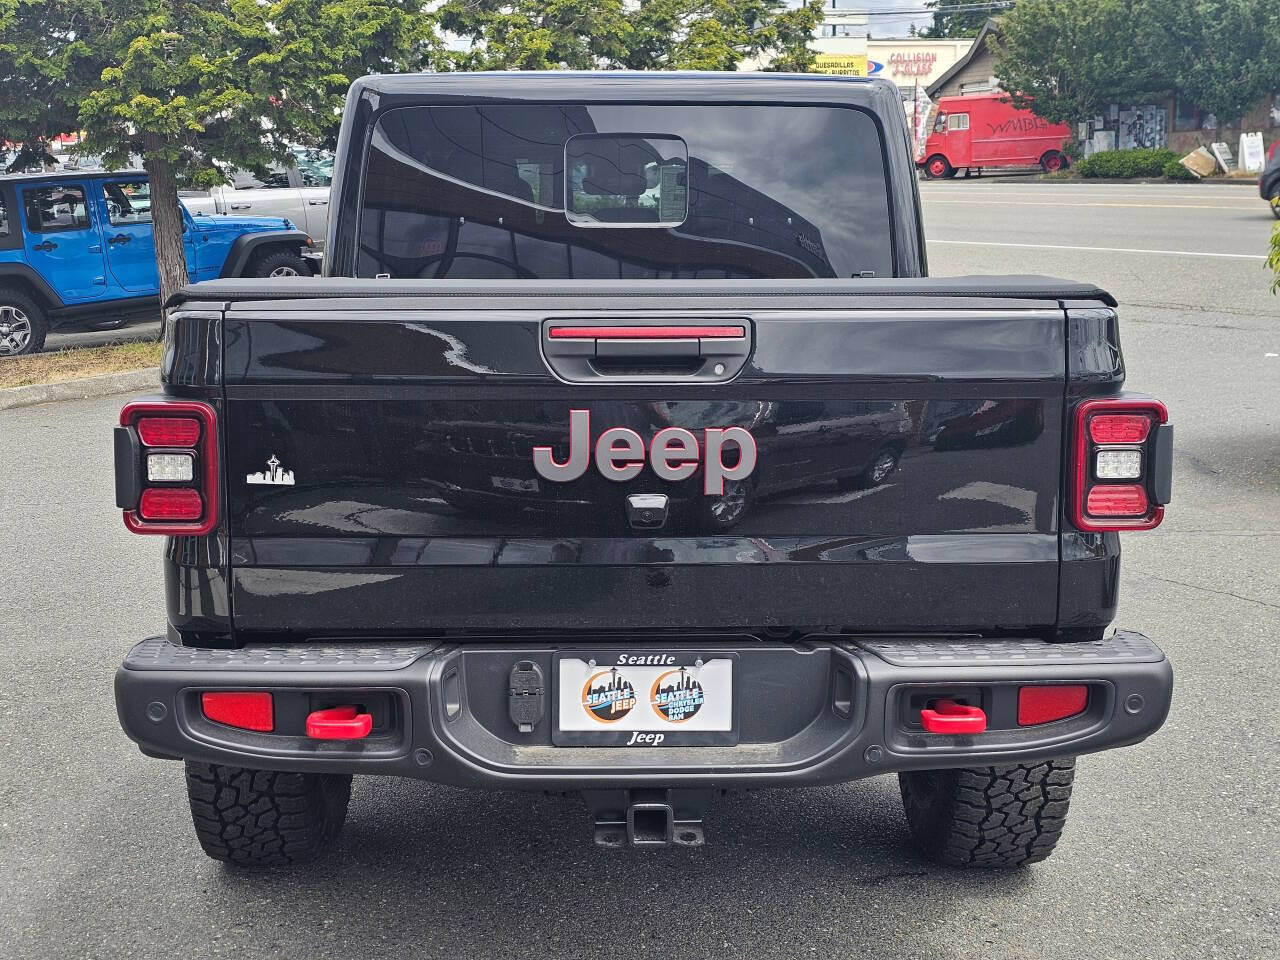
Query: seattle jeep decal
(674, 454)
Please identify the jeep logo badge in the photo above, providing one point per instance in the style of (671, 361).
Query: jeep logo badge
(674, 454)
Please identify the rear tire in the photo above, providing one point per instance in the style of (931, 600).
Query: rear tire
(265, 818)
(23, 324)
(1053, 161)
(937, 167)
(998, 817)
(1274, 201)
(280, 263)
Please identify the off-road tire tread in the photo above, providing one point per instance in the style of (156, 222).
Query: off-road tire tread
(265, 818)
(1001, 817)
(269, 259)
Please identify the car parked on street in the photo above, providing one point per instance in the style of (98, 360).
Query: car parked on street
(1269, 182)
(78, 247)
(979, 131)
(300, 192)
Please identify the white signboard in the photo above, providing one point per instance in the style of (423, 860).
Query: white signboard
(1253, 155)
(1223, 152)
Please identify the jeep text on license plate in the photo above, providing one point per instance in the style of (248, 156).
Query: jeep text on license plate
(644, 698)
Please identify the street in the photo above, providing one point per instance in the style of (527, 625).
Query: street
(1168, 852)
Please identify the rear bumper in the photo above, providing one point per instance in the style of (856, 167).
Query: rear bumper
(828, 710)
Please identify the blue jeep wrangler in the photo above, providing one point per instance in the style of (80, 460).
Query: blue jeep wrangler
(79, 247)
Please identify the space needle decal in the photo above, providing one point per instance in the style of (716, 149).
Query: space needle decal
(273, 475)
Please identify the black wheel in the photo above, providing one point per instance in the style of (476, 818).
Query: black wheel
(874, 473)
(937, 167)
(280, 263)
(1053, 161)
(988, 816)
(263, 818)
(714, 514)
(22, 323)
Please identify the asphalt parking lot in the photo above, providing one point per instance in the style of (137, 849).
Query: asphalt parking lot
(1169, 851)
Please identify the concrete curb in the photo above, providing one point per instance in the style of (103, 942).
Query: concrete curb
(101, 386)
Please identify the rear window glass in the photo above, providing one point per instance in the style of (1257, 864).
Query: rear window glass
(56, 208)
(4, 218)
(561, 191)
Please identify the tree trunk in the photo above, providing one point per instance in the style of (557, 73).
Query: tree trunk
(168, 223)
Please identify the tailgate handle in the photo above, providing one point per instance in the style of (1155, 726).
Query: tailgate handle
(585, 351)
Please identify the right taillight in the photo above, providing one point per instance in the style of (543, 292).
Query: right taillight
(166, 454)
(1122, 464)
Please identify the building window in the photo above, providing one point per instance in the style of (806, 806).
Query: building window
(958, 121)
(1185, 114)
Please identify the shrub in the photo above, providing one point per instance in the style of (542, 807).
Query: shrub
(1120, 164)
(1174, 170)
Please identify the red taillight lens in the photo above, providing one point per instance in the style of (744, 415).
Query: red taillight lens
(171, 503)
(1121, 463)
(246, 710)
(157, 491)
(168, 431)
(1050, 702)
(1117, 500)
(1119, 427)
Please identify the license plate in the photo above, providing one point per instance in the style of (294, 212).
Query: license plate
(645, 698)
(515, 484)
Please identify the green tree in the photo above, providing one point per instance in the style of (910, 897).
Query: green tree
(1068, 59)
(193, 87)
(44, 56)
(955, 21)
(1228, 53)
(607, 34)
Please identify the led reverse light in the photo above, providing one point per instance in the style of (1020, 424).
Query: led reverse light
(1118, 465)
(170, 467)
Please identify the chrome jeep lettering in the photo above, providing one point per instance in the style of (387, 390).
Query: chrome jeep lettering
(620, 454)
(674, 454)
(544, 461)
(716, 473)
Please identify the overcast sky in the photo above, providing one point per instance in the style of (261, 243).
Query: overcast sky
(895, 25)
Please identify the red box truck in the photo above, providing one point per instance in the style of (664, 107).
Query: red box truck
(986, 130)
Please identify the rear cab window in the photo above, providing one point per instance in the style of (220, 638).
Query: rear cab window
(620, 191)
(55, 208)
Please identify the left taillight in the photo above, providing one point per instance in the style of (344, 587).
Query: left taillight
(1122, 464)
(166, 461)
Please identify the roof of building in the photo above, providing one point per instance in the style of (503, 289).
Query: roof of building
(989, 29)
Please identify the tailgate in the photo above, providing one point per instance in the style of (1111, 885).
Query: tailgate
(382, 475)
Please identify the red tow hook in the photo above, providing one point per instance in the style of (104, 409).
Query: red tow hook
(947, 716)
(338, 723)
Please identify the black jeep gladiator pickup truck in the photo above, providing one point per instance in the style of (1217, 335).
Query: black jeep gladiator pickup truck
(626, 449)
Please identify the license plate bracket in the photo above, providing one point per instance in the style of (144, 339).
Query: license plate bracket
(644, 697)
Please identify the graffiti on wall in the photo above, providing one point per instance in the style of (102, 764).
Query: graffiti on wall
(1143, 127)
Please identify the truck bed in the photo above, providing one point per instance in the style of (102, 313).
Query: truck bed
(407, 412)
